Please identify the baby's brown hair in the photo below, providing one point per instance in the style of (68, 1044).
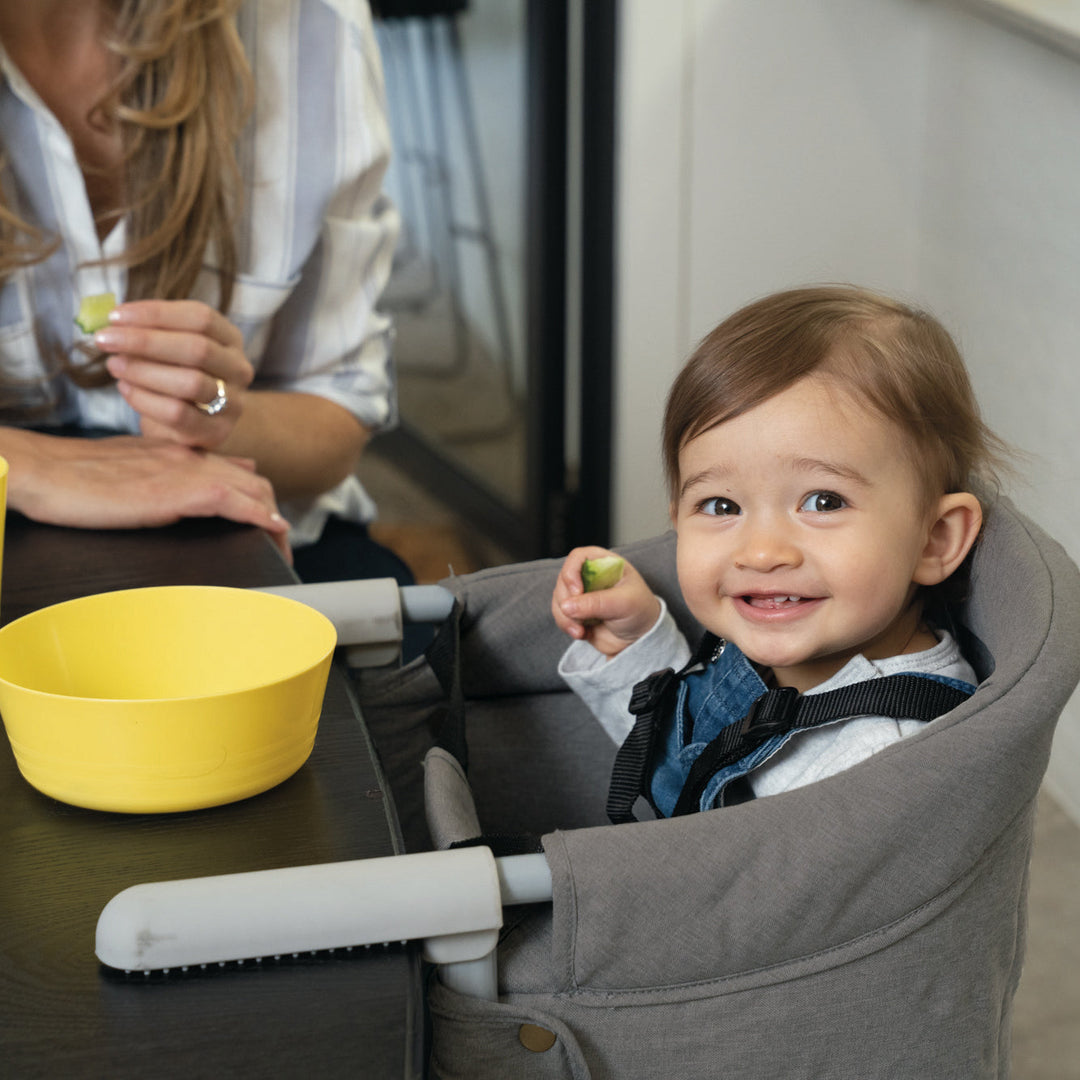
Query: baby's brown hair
(898, 360)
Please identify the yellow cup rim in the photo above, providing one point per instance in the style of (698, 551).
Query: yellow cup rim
(317, 619)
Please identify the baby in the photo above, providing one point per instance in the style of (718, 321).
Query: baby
(819, 447)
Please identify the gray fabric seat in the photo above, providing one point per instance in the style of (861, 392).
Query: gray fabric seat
(870, 925)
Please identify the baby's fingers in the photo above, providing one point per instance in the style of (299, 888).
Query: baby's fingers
(564, 620)
(595, 607)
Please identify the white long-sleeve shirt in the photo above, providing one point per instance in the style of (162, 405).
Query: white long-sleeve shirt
(605, 686)
(315, 237)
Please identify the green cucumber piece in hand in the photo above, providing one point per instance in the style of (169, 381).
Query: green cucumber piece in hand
(601, 573)
(94, 312)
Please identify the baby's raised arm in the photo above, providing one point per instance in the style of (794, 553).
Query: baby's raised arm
(609, 619)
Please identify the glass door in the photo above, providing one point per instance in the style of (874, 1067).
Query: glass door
(484, 102)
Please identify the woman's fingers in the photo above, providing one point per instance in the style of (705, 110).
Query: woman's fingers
(173, 359)
(180, 351)
(167, 416)
(191, 316)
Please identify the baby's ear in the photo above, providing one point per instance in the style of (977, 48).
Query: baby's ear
(954, 527)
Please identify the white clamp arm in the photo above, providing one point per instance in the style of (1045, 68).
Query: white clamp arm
(368, 613)
(451, 899)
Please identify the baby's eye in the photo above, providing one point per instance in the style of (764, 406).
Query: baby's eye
(718, 506)
(821, 502)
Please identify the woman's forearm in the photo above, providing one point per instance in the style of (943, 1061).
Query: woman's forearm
(303, 444)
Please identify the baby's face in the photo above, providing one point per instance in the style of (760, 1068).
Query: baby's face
(801, 525)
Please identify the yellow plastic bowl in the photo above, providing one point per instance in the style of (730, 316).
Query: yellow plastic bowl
(164, 699)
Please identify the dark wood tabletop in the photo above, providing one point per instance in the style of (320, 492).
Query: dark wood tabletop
(61, 1012)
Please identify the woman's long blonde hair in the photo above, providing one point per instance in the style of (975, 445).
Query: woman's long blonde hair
(181, 100)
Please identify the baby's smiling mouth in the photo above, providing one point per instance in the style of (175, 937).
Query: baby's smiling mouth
(773, 602)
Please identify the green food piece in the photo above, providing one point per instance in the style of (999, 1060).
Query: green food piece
(94, 312)
(601, 573)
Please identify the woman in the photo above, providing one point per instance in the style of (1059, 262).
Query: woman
(217, 165)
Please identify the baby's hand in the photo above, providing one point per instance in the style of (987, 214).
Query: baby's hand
(609, 619)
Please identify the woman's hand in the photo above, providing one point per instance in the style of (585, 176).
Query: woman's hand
(167, 357)
(128, 481)
(609, 619)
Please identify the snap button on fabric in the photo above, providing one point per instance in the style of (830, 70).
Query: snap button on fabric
(535, 1038)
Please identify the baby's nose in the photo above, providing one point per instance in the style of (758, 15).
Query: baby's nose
(765, 548)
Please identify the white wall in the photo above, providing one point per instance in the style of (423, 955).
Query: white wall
(651, 259)
(1001, 261)
(910, 145)
(759, 147)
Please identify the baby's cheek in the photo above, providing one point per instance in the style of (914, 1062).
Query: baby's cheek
(708, 606)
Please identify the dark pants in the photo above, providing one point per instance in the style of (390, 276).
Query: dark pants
(344, 552)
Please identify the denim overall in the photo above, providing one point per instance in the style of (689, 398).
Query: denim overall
(708, 699)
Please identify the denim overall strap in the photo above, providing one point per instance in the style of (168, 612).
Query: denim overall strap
(782, 710)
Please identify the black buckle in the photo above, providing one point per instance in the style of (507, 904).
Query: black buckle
(646, 694)
(772, 713)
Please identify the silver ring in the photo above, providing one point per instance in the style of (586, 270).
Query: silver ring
(212, 408)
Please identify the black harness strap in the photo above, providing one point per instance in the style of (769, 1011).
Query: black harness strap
(651, 699)
(778, 711)
(444, 657)
(502, 845)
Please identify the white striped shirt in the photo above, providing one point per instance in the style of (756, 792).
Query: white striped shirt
(315, 240)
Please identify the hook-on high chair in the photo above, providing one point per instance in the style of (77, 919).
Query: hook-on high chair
(871, 924)
(867, 925)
